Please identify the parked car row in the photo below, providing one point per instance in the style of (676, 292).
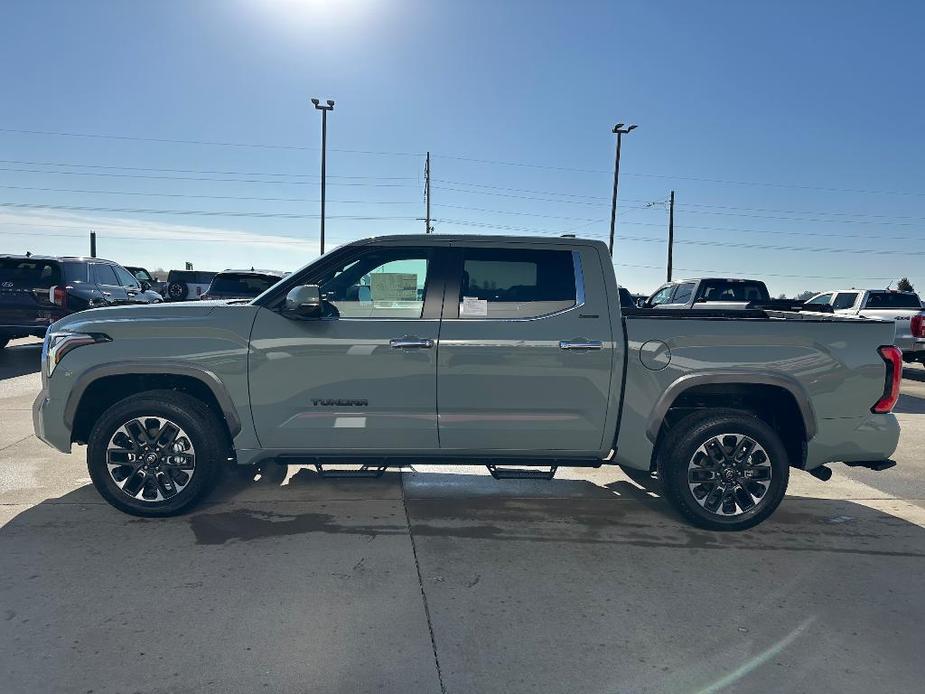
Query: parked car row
(35, 291)
(905, 309)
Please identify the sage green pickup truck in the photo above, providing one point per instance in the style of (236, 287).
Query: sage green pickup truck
(511, 352)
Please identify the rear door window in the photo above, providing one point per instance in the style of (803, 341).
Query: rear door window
(733, 291)
(683, 293)
(893, 300)
(103, 275)
(515, 283)
(844, 300)
(28, 274)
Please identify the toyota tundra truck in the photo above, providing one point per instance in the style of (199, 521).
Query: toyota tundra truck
(514, 353)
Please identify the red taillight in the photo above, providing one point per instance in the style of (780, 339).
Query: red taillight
(58, 296)
(918, 325)
(893, 357)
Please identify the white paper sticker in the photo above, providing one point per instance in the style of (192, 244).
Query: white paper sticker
(473, 306)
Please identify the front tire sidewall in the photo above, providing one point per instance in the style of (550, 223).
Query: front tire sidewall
(679, 447)
(193, 417)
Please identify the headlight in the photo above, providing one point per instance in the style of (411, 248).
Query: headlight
(56, 345)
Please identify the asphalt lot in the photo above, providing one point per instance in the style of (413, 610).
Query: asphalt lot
(450, 581)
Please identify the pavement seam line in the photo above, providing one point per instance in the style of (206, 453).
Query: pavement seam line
(16, 442)
(417, 567)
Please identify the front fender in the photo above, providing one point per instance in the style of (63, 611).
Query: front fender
(128, 368)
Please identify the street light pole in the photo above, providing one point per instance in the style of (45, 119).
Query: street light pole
(327, 106)
(620, 131)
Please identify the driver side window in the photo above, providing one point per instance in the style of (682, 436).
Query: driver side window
(380, 283)
(662, 296)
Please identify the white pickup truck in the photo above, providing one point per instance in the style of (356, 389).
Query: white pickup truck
(903, 308)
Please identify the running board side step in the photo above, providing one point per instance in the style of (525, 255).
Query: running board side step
(364, 471)
(505, 472)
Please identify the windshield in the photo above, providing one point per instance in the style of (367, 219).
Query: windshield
(893, 300)
(242, 284)
(28, 274)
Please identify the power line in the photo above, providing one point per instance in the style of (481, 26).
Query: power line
(209, 197)
(721, 181)
(765, 274)
(204, 213)
(203, 178)
(477, 160)
(200, 142)
(724, 244)
(196, 171)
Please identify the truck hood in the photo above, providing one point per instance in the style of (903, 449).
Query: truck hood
(94, 320)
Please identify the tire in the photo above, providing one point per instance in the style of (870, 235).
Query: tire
(643, 478)
(177, 291)
(129, 483)
(704, 447)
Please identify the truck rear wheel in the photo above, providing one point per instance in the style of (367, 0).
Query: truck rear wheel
(723, 470)
(156, 453)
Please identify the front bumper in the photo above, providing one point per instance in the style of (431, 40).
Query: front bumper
(48, 422)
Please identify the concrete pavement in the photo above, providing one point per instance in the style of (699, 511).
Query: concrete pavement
(451, 581)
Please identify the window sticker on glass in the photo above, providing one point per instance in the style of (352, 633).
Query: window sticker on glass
(393, 286)
(473, 306)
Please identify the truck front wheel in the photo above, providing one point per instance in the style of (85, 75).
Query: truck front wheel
(155, 453)
(724, 469)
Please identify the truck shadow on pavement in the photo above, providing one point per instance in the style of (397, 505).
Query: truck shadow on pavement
(19, 360)
(554, 570)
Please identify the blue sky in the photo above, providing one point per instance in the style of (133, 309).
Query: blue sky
(785, 128)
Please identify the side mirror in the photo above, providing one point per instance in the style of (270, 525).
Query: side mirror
(145, 286)
(304, 302)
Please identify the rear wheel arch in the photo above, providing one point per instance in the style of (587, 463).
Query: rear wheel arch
(778, 401)
(100, 388)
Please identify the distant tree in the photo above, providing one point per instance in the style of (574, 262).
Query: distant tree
(803, 296)
(782, 296)
(904, 285)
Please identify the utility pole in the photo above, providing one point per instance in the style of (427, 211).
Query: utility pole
(670, 232)
(92, 244)
(427, 227)
(619, 131)
(328, 106)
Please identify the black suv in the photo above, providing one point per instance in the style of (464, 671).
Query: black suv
(35, 291)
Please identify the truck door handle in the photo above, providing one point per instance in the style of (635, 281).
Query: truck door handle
(581, 344)
(411, 342)
(106, 293)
